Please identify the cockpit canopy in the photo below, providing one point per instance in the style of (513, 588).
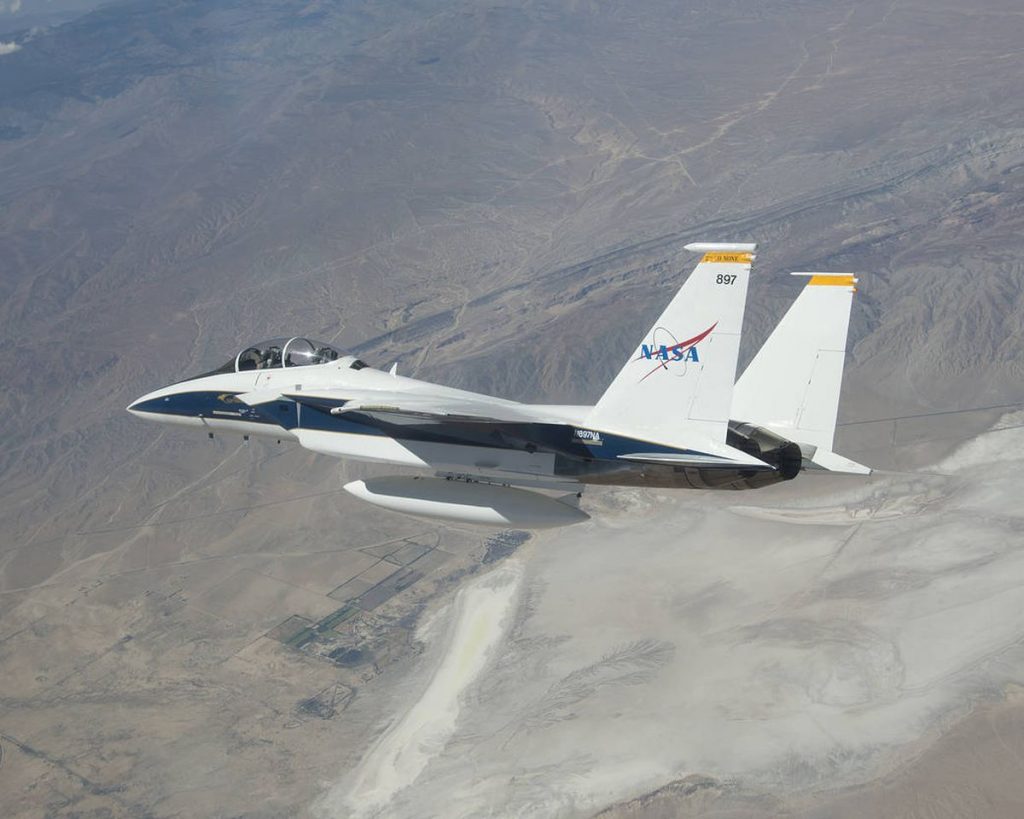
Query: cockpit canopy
(285, 352)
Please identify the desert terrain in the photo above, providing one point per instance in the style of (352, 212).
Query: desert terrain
(497, 197)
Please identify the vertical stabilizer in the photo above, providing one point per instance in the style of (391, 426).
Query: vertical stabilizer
(792, 385)
(676, 388)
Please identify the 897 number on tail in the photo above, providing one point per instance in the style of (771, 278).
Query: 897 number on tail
(725, 278)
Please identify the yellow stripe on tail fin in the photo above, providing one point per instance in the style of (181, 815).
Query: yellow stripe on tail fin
(830, 279)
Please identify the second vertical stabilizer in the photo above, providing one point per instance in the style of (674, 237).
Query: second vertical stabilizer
(792, 385)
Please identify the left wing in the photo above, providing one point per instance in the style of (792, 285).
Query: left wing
(493, 435)
(394, 407)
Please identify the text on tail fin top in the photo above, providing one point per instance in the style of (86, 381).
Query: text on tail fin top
(727, 258)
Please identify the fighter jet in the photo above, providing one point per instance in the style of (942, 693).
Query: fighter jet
(672, 418)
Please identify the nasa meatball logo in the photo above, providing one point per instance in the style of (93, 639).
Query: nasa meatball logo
(667, 350)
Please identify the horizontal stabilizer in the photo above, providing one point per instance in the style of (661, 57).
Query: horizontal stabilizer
(829, 461)
(694, 460)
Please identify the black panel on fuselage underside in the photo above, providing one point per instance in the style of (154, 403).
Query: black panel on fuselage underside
(593, 463)
(579, 462)
(663, 476)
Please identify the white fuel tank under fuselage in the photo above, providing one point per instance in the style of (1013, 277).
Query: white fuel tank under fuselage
(481, 504)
